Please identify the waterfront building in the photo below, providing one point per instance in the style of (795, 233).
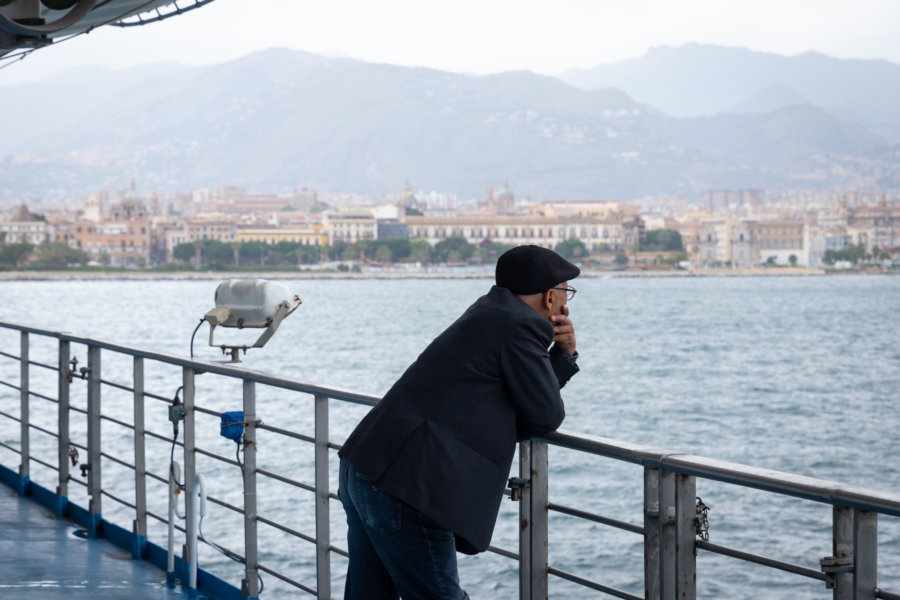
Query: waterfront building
(192, 230)
(307, 234)
(24, 228)
(874, 226)
(350, 226)
(547, 231)
(116, 243)
(748, 242)
(779, 240)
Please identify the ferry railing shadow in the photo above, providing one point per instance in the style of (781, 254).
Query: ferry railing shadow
(673, 525)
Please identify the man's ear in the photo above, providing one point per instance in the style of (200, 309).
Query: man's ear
(547, 301)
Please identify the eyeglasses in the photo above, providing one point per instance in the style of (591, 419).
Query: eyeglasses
(570, 292)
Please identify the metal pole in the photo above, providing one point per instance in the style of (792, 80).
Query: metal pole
(189, 465)
(139, 528)
(250, 584)
(24, 419)
(525, 562)
(323, 534)
(539, 498)
(865, 554)
(686, 535)
(842, 547)
(93, 415)
(667, 536)
(62, 392)
(651, 534)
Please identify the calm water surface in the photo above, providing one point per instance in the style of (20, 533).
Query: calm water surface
(795, 374)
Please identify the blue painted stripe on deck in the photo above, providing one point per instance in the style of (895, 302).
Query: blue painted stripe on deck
(43, 557)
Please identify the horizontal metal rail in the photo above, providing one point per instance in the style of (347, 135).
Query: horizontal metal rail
(762, 560)
(110, 495)
(124, 424)
(287, 480)
(286, 433)
(287, 529)
(206, 411)
(117, 386)
(167, 439)
(116, 460)
(217, 457)
(593, 585)
(9, 385)
(574, 512)
(42, 365)
(10, 417)
(286, 579)
(224, 504)
(157, 397)
(52, 434)
(504, 553)
(42, 397)
(41, 462)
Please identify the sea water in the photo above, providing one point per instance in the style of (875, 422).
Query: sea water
(797, 374)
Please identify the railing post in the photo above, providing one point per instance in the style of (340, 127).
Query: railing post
(525, 524)
(533, 543)
(250, 584)
(93, 442)
(323, 534)
(139, 527)
(62, 393)
(686, 535)
(667, 535)
(865, 554)
(24, 419)
(842, 548)
(187, 382)
(651, 534)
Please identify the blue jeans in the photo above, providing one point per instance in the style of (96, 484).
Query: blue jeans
(395, 550)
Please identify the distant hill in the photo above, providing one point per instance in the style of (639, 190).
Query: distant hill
(703, 80)
(280, 119)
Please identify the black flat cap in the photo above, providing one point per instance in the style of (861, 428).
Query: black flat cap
(532, 270)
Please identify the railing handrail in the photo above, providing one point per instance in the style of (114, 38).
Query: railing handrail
(790, 484)
(225, 369)
(801, 486)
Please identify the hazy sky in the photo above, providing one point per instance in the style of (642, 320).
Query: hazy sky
(483, 36)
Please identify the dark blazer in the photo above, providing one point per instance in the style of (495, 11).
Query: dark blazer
(443, 437)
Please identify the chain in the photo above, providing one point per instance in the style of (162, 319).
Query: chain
(701, 523)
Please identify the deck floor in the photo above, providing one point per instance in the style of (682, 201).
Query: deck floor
(45, 557)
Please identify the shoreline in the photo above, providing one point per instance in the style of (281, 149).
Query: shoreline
(386, 274)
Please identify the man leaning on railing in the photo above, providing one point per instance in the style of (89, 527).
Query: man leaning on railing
(423, 474)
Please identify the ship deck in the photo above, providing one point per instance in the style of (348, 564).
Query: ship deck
(45, 557)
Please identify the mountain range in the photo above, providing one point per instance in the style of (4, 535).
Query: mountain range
(677, 121)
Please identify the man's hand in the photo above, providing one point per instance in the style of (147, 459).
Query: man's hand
(563, 330)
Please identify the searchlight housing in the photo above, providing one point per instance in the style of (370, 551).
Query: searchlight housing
(250, 303)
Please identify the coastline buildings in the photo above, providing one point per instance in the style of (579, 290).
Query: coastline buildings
(723, 228)
(601, 226)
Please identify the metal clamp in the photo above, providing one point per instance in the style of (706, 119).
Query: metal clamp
(516, 485)
(75, 371)
(832, 565)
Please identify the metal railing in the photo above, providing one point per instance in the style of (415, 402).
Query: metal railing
(673, 525)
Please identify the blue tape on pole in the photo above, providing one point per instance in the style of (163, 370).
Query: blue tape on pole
(233, 425)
